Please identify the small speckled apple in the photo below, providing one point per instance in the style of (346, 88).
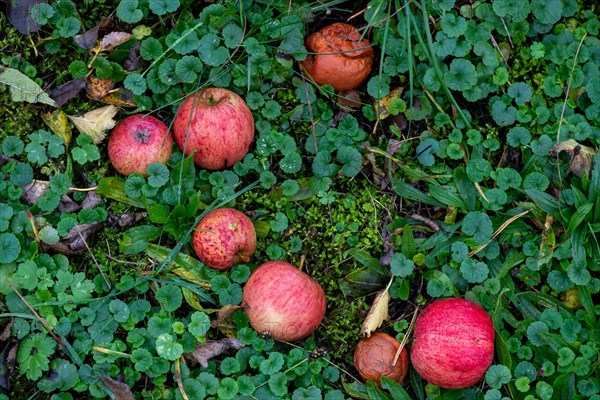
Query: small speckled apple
(138, 141)
(223, 238)
(283, 301)
(453, 343)
(217, 124)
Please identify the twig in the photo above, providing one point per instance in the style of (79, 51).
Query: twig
(406, 336)
(429, 222)
(178, 378)
(94, 258)
(500, 229)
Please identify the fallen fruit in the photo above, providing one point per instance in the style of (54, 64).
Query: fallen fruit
(217, 124)
(283, 301)
(374, 358)
(223, 238)
(453, 343)
(342, 57)
(138, 141)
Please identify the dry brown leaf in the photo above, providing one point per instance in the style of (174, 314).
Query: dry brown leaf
(33, 191)
(94, 123)
(112, 40)
(212, 348)
(384, 104)
(119, 389)
(378, 313)
(66, 91)
(120, 97)
(581, 156)
(224, 313)
(57, 121)
(73, 243)
(6, 331)
(349, 99)
(88, 39)
(97, 88)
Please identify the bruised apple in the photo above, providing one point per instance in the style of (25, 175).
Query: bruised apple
(217, 124)
(453, 343)
(283, 301)
(223, 238)
(341, 57)
(138, 141)
(374, 358)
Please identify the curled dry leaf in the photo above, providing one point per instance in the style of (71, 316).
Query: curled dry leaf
(88, 39)
(97, 88)
(91, 200)
(349, 100)
(67, 91)
(68, 205)
(378, 313)
(210, 349)
(94, 123)
(33, 191)
(224, 313)
(6, 331)
(112, 40)
(73, 243)
(121, 390)
(58, 122)
(581, 156)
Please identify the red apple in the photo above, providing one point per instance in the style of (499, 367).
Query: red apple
(217, 124)
(138, 141)
(374, 358)
(283, 301)
(453, 343)
(223, 238)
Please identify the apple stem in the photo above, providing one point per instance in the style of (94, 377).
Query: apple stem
(406, 336)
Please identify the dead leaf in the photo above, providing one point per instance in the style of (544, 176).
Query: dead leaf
(59, 124)
(33, 191)
(6, 331)
(66, 91)
(384, 104)
(73, 244)
(210, 349)
(94, 123)
(68, 205)
(349, 99)
(581, 156)
(91, 200)
(97, 88)
(224, 313)
(19, 15)
(112, 40)
(378, 313)
(88, 39)
(8, 358)
(121, 390)
(135, 60)
(125, 220)
(120, 97)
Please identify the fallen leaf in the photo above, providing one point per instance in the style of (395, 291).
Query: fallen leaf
(210, 349)
(8, 357)
(112, 40)
(73, 244)
(6, 331)
(91, 200)
(97, 88)
(22, 88)
(384, 107)
(94, 123)
(135, 60)
(125, 220)
(33, 191)
(58, 122)
(581, 156)
(224, 313)
(88, 39)
(67, 91)
(121, 390)
(19, 15)
(68, 205)
(378, 313)
(349, 99)
(120, 97)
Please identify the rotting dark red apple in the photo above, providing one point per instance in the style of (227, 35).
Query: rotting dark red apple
(453, 343)
(223, 238)
(341, 57)
(217, 124)
(374, 358)
(138, 141)
(283, 301)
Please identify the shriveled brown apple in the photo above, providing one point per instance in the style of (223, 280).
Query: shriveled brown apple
(374, 358)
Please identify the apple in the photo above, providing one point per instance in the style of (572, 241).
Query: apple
(138, 141)
(374, 358)
(223, 238)
(283, 301)
(453, 343)
(217, 124)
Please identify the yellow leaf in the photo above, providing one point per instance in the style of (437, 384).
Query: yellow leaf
(94, 123)
(384, 104)
(192, 299)
(120, 97)
(57, 121)
(112, 40)
(378, 313)
(97, 88)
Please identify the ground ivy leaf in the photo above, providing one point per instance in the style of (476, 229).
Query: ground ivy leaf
(128, 12)
(521, 92)
(161, 7)
(461, 76)
(548, 12)
(158, 174)
(351, 159)
(401, 266)
(136, 83)
(33, 355)
(210, 50)
(200, 324)
(474, 271)
(188, 68)
(232, 35)
(10, 248)
(478, 225)
(322, 166)
(151, 49)
(168, 348)
(142, 359)
(170, 297)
